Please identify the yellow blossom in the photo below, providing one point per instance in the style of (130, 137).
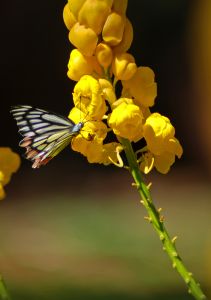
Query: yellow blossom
(107, 90)
(142, 86)
(158, 131)
(124, 66)
(9, 163)
(104, 55)
(83, 38)
(127, 38)
(88, 97)
(69, 18)
(80, 65)
(93, 14)
(126, 119)
(113, 29)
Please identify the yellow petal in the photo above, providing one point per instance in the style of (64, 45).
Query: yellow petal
(142, 86)
(85, 39)
(113, 29)
(163, 162)
(104, 55)
(124, 66)
(93, 14)
(68, 17)
(127, 38)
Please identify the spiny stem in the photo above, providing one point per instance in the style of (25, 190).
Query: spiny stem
(156, 220)
(3, 290)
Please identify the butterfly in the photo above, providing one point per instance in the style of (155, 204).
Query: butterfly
(44, 133)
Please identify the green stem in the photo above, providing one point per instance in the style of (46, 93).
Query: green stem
(157, 222)
(3, 290)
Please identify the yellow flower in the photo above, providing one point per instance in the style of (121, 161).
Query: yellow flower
(127, 38)
(80, 65)
(104, 55)
(158, 133)
(9, 163)
(88, 97)
(113, 29)
(163, 146)
(124, 66)
(68, 17)
(142, 86)
(93, 14)
(126, 119)
(83, 38)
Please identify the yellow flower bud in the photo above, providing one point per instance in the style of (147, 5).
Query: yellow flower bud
(126, 119)
(88, 97)
(85, 39)
(104, 55)
(159, 135)
(79, 65)
(113, 29)
(142, 86)
(94, 13)
(75, 6)
(120, 6)
(108, 90)
(124, 66)
(68, 17)
(127, 38)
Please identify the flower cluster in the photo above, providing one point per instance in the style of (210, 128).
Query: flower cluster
(102, 35)
(9, 163)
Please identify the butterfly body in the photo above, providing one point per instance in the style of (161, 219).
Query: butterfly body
(45, 133)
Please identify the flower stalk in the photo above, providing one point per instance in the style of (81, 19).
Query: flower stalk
(156, 219)
(3, 290)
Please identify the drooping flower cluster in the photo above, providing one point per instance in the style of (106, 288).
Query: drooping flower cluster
(9, 163)
(102, 35)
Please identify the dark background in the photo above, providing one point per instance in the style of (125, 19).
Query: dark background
(73, 230)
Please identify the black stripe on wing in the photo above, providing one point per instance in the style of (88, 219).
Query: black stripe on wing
(34, 121)
(45, 133)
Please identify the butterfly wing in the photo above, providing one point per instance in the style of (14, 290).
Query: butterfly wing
(45, 133)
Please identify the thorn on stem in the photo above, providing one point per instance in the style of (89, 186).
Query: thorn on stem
(148, 219)
(149, 185)
(187, 280)
(174, 265)
(161, 219)
(175, 254)
(162, 237)
(174, 239)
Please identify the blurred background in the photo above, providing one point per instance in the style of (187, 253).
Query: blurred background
(72, 230)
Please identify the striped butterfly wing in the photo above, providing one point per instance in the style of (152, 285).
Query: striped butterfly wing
(45, 133)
